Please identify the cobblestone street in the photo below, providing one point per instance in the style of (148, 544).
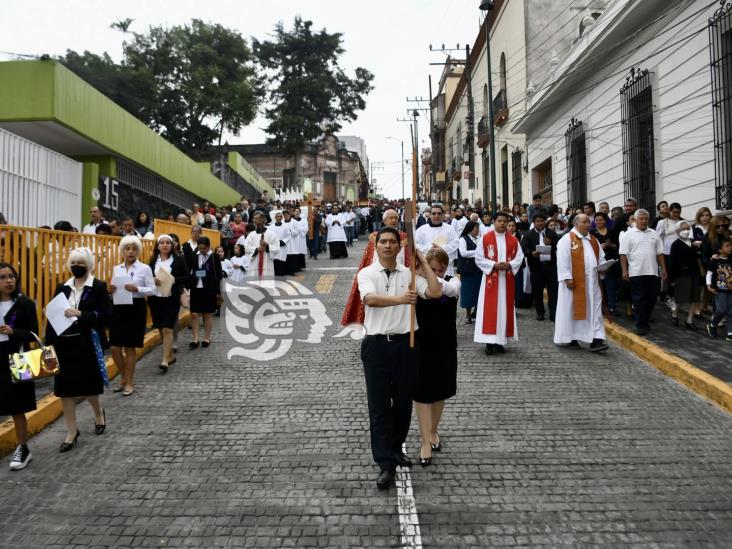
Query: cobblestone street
(542, 447)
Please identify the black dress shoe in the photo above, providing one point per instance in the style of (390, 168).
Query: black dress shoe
(489, 350)
(499, 349)
(436, 447)
(193, 345)
(99, 429)
(385, 479)
(539, 317)
(163, 368)
(403, 460)
(205, 343)
(66, 446)
(574, 344)
(598, 345)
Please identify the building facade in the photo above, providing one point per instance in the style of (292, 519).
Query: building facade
(638, 107)
(326, 169)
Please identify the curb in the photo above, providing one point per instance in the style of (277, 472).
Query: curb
(702, 383)
(48, 409)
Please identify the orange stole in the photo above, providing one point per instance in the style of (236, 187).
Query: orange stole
(490, 297)
(355, 311)
(579, 293)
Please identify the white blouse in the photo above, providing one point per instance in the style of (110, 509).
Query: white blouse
(140, 275)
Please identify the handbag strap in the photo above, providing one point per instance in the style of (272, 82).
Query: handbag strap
(38, 339)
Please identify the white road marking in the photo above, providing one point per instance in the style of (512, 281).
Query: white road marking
(407, 508)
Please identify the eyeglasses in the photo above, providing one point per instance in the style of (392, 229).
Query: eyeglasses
(726, 226)
(3, 278)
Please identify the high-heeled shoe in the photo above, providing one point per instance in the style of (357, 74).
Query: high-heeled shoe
(436, 447)
(424, 462)
(99, 428)
(66, 446)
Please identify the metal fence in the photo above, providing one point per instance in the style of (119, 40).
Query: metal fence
(720, 47)
(40, 257)
(575, 144)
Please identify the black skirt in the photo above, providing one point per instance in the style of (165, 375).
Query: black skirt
(79, 375)
(127, 327)
(293, 263)
(164, 311)
(203, 301)
(14, 398)
(281, 268)
(437, 339)
(337, 249)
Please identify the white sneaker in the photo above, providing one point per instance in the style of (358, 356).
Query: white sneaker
(21, 458)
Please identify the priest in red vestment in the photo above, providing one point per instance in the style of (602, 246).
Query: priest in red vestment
(499, 256)
(354, 312)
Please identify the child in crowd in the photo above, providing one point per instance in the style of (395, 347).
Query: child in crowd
(719, 283)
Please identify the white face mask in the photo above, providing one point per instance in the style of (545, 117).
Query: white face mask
(685, 234)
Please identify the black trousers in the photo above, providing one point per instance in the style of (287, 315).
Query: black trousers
(391, 369)
(643, 294)
(544, 277)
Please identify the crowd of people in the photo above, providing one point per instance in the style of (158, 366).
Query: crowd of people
(585, 260)
(589, 262)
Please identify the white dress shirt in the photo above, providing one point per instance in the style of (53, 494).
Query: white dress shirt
(140, 275)
(388, 320)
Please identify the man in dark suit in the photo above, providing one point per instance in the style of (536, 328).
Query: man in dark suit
(542, 268)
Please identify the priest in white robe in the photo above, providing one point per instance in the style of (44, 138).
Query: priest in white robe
(284, 235)
(260, 245)
(579, 302)
(500, 257)
(437, 233)
(293, 246)
(302, 236)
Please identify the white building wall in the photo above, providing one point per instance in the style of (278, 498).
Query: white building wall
(37, 185)
(507, 37)
(676, 51)
(454, 125)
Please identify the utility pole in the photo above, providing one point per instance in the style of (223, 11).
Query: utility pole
(487, 6)
(470, 122)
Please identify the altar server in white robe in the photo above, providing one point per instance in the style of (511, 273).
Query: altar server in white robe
(336, 234)
(302, 238)
(579, 301)
(284, 235)
(499, 256)
(438, 234)
(260, 246)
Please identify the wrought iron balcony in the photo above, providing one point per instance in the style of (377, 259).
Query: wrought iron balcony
(500, 109)
(484, 136)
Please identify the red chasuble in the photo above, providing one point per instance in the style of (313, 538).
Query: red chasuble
(490, 296)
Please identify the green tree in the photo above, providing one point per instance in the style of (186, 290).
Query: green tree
(308, 93)
(189, 83)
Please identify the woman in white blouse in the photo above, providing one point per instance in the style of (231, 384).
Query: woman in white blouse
(470, 274)
(127, 328)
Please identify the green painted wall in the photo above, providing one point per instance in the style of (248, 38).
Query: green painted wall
(248, 173)
(46, 90)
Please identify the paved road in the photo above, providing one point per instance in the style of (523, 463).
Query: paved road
(543, 447)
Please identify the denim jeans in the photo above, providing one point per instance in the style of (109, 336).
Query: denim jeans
(611, 291)
(723, 308)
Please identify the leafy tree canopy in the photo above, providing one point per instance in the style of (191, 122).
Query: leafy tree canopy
(190, 83)
(308, 93)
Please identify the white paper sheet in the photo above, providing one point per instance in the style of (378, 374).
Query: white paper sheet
(55, 314)
(604, 267)
(120, 295)
(3, 337)
(545, 253)
(166, 282)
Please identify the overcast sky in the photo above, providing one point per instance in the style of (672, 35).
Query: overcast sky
(389, 37)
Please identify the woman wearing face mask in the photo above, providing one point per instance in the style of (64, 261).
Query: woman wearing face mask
(80, 374)
(686, 275)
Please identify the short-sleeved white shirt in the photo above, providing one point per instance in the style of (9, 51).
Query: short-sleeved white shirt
(641, 249)
(394, 319)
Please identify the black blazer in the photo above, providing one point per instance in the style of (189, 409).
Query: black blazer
(214, 274)
(22, 318)
(179, 270)
(96, 310)
(189, 255)
(529, 243)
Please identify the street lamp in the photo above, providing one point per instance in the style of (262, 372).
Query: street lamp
(487, 6)
(402, 142)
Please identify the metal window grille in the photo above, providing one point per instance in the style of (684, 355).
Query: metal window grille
(639, 168)
(576, 163)
(516, 176)
(720, 47)
(147, 182)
